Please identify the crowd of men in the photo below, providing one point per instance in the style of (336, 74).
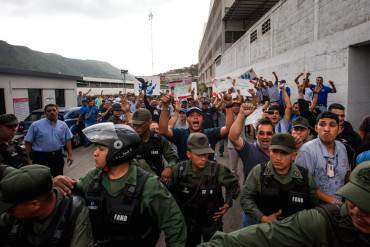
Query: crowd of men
(305, 179)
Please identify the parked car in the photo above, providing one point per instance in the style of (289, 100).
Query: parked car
(68, 115)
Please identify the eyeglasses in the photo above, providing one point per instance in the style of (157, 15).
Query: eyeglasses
(51, 110)
(262, 133)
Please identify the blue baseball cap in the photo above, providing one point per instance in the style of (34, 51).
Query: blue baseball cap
(183, 110)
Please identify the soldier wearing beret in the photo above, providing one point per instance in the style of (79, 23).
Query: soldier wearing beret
(278, 188)
(329, 225)
(32, 213)
(197, 187)
(11, 151)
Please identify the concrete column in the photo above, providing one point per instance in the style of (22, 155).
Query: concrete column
(316, 18)
(358, 84)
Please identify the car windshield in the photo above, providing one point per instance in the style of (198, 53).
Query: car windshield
(72, 114)
(35, 116)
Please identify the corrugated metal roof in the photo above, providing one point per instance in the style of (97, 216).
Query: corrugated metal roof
(250, 11)
(14, 71)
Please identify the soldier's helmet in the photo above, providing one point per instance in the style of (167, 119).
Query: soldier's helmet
(120, 139)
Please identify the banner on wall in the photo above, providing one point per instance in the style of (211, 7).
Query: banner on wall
(21, 108)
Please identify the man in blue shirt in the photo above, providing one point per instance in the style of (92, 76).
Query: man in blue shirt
(89, 113)
(45, 141)
(322, 101)
(195, 120)
(325, 158)
(88, 116)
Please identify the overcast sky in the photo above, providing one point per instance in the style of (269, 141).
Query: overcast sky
(115, 31)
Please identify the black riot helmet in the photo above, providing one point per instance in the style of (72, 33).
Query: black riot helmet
(122, 141)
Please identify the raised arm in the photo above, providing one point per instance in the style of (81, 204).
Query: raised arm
(334, 89)
(229, 115)
(315, 97)
(276, 78)
(236, 128)
(164, 118)
(296, 80)
(288, 104)
(175, 116)
(88, 91)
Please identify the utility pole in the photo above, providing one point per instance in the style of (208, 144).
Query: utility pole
(151, 38)
(123, 74)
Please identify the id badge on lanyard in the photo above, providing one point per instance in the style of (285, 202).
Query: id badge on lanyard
(330, 169)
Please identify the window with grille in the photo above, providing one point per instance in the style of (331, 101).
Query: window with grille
(253, 36)
(266, 26)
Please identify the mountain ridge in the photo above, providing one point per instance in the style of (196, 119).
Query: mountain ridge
(22, 57)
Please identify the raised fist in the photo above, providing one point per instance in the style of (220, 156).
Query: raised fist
(247, 109)
(166, 100)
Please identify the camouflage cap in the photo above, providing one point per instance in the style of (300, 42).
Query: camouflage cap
(24, 184)
(301, 122)
(141, 116)
(8, 119)
(357, 190)
(198, 144)
(284, 142)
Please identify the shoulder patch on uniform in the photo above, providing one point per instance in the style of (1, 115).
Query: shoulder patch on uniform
(297, 173)
(268, 171)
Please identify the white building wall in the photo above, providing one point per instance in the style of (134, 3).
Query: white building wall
(17, 87)
(48, 97)
(305, 35)
(70, 97)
